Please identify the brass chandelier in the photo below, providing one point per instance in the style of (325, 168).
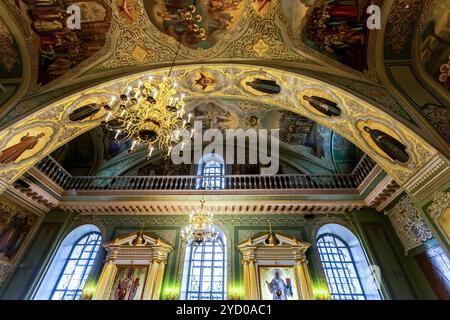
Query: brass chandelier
(200, 228)
(150, 113)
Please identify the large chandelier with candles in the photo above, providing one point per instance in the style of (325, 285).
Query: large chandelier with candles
(200, 228)
(150, 113)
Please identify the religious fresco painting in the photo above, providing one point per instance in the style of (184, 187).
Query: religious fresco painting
(338, 29)
(24, 145)
(60, 48)
(278, 283)
(15, 226)
(434, 42)
(296, 12)
(129, 283)
(298, 130)
(85, 113)
(195, 26)
(10, 64)
(384, 140)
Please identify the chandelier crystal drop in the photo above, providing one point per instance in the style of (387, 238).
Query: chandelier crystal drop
(200, 228)
(150, 113)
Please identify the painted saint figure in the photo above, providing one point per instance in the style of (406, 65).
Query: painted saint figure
(12, 234)
(265, 86)
(393, 148)
(279, 289)
(12, 153)
(327, 107)
(127, 287)
(84, 112)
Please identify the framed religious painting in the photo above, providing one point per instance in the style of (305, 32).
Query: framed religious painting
(16, 229)
(128, 283)
(278, 283)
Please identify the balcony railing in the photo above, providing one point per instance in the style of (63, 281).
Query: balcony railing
(55, 172)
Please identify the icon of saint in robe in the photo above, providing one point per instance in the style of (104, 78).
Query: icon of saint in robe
(279, 288)
(324, 106)
(265, 86)
(84, 112)
(391, 146)
(12, 153)
(127, 286)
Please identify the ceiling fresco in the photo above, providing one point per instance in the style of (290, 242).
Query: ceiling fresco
(195, 24)
(417, 54)
(11, 72)
(59, 48)
(338, 29)
(434, 41)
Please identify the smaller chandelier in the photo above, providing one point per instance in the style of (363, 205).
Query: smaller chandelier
(149, 114)
(200, 228)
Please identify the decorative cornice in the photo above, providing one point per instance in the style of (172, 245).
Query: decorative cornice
(428, 179)
(384, 193)
(128, 208)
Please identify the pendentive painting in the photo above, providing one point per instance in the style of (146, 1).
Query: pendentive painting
(129, 283)
(278, 283)
(339, 29)
(61, 48)
(195, 24)
(435, 39)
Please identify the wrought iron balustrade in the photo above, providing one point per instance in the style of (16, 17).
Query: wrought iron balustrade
(53, 170)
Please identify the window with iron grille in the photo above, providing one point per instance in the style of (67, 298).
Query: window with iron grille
(340, 269)
(77, 267)
(206, 271)
(212, 172)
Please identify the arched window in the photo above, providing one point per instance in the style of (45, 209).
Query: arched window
(205, 271)
(211, 168)
(71, 265)
(347, 271)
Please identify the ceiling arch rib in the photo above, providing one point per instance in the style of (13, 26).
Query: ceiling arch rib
(55, 129)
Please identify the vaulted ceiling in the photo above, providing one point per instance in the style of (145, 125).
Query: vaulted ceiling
(305, 45)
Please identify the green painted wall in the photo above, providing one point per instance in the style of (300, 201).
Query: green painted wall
(401, 274)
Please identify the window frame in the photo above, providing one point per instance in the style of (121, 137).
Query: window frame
(212, 181)
(187, 274)
(351, 295)
(92, 258)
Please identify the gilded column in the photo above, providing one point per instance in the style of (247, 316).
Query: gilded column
(159, 281)
(151, 280)
(247, 289)
(253, 281)
(305, 282)
(105, 278)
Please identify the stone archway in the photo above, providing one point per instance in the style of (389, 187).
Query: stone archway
(229, 83)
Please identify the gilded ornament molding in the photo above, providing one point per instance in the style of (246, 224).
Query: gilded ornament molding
(441, 202)
(403, 16)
